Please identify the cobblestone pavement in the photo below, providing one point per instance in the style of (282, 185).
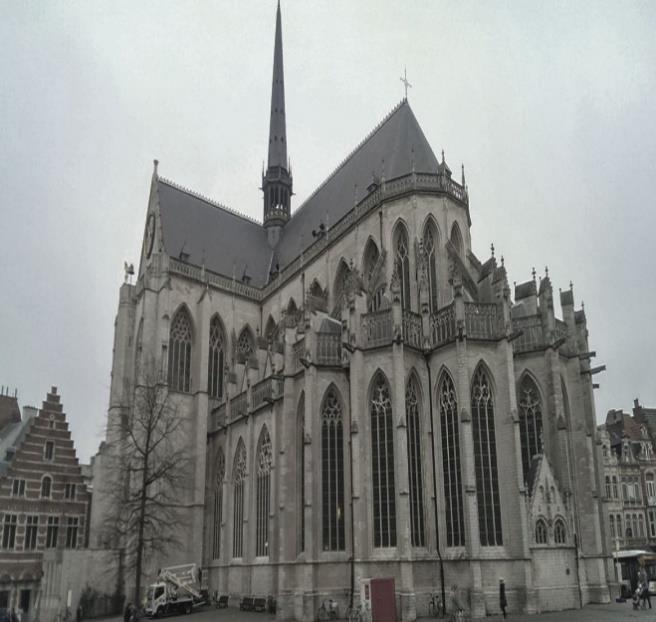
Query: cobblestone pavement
(590, 613)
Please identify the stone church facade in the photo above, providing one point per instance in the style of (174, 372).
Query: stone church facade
(362, 396)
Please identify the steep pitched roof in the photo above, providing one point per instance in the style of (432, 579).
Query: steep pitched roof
(9, 411)
(387, 150)
(223, 240)
(210, 233)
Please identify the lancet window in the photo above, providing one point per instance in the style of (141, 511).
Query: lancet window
(218, 505)
(456, 238)
(530, 421)
(402, 265)
(216, 359)
(382, 452)
(485, 461)
(263, 493)
(300, 472)
(341, 281)
(180, 352)
(332, 471)
(238, 479)
(430, 244)
(560, 532)
(245, 345)
(448, 404)
(415, 472)
(540, 532)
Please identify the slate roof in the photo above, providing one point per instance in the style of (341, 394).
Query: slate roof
(207, 231)
(9, 411)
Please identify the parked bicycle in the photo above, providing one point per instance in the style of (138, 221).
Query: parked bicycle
(436, 607)
(328, 610)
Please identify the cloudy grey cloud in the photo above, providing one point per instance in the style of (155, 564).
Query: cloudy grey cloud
(549, 105)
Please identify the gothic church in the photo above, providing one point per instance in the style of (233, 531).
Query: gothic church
(362, 395)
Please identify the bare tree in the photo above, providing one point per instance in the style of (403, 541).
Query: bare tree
(150, 471)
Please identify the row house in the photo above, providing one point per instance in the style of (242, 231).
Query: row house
(44, 502)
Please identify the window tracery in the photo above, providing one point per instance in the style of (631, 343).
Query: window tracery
(415, 473)
(560, 533)
(238, 477)
(540, 532)
(530, 421)
(264, 461)
(332, 471)
(180, 352)
(402, 265)
(216, 359)
(430, 243)
(382, 446)
(218, 505)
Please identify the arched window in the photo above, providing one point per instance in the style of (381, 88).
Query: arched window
(216, 359)
(180, 352)
(46, 487)
(615, 493)
(612, 526)
(218, 505)
(332, 471)
(270, 330)
(291, 314)
(238, 477)
(245, 345)
(402, 264)
(485, 460)
(341, 279)
(448, 404)
(607, 486)
(263, 494)
(370, 273)
(530, 421)
(300, 471)
(430, 248)
(382, 458)
(540, 532)
(456, 239)
(560, 533)
(415, 473)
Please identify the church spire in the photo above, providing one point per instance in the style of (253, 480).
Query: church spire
(277, 180)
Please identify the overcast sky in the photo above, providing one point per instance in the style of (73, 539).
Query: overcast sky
(550, 106)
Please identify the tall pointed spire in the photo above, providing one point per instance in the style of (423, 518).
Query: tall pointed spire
(277, 126)
(277, 180)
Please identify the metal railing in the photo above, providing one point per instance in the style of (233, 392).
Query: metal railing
(376, 328)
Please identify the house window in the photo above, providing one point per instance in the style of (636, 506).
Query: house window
(31, 532)
(560, 533)
(332, 472)
(540, 532)
(641, 526)
(238, 477)
(218, 505)
(485, 461)
(71, 532)
(18, 488)
(180, 352)
(382, 452)
(52, 532)
(46, 487)
(651, 485)
(614, 487)
(415, 473)
(49, 451)
(651, 515)
(530, 422)
(216, 359)
(607, 486)
(9, 531)
(612, 526)
(69, 491)
(448, 404)
(263, 493)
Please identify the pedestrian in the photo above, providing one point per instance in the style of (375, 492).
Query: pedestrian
(644, 584)
(127, 614)
(78, 613)
(503, 603)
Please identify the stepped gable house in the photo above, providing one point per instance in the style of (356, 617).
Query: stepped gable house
(43, 501)
(364, 396)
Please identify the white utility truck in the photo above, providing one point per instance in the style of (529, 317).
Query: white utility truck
(177, 590)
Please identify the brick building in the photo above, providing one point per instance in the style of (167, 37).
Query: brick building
(361, 395)
(44, 503)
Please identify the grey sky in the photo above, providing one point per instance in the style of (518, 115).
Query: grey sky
(550, 105)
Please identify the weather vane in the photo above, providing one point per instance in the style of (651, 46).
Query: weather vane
(406, 84)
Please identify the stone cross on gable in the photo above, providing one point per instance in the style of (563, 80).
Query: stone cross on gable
(406, 84)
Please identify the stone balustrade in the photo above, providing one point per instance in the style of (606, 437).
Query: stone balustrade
(329, 349)
(534, 337)
(413, 333)
(376, 328)
(483, 320)
(443, 326)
